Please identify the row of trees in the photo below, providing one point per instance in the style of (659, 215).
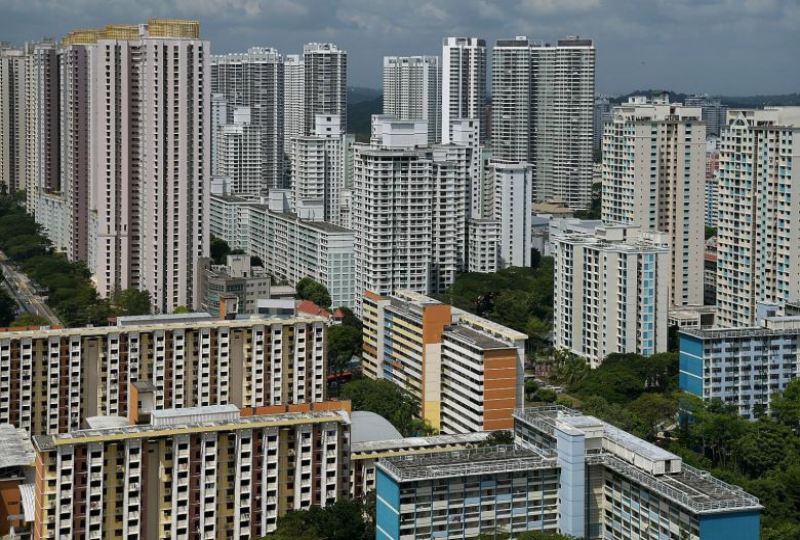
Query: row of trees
(71, 292)
(389, 401)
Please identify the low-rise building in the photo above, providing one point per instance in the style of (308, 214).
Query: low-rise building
(238, 278)
(567, 473)
(465, 372)
(290, 247)
(745, 367)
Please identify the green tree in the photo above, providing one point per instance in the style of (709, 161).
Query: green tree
(181, 309)
(30, 319)
(539, 535)
(710, 232)
(219, 249)
(786, 406)
(350, 318)
(8, 308)
(500, 437)
(387, 400)
(344, 342)
(308, 289)
(494, 534)
(131, 302)
(538, 331)
(343, 520)
(764, 447)
(654, 410)
(256, 261)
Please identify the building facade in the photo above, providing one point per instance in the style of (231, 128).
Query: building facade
(238, 152)
(745, 367)
(759, 212)
(178, 360)
(150, 160)
(318, 167)
(567, 473)
(412, 90)
(464, 371)
(291, 248)
(512, 128)
(654, 162)
(206, 472)
(714, 112)
(325, 89)
(610, 293)
(255, 80)
(563, 78)
(12, 119)
(513, 194)
(236, 278)
(463, 83)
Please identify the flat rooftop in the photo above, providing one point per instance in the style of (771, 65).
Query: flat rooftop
(16, 449)
(199, 425)
(479, 340)
(470, 462)
(398, 444)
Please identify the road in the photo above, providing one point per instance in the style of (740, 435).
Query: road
(21, 289)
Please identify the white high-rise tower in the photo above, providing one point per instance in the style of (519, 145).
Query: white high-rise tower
(463, 82)
(412, 91)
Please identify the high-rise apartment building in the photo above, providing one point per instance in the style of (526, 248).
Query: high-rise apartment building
(318, 167)
(12, 119)
(714, 112)
(512, 85)
(759, 212)
(610, 292)
(412, 90)
(41, 121)
(513, 194)
(654, 165)
(602, 113)
(151, 101)
(205, 472)
(76, 61)
(464, 371)
(325, 88)
(255, 80)
(294, 83)
(410, 207)
(463, 83)
(563, 87)
(177, 360)
(238, 151)
(712, 166)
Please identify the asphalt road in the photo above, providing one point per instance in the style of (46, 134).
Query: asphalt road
(21, 289)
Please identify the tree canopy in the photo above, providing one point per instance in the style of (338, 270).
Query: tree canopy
(219, 249)
(8, 308)
(30, 319)
(343, 520)
(390, 401)
(344, 342)
(308, 289)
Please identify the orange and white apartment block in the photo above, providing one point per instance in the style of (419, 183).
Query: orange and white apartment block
(465, 371)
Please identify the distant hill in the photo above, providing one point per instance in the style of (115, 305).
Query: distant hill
(730, 101)
(359, 116)
(357, 94)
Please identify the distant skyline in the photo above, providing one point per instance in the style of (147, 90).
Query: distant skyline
(730, 47)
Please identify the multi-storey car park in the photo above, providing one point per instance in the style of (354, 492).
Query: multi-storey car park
(567, 473)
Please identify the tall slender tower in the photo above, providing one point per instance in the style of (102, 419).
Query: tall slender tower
(512, 91)
(653, 178)
(12, 119)
(463, 82)
(41, 121)
(255, 80)
(412, 91)
(563, 84)
(150, 154)
(325, 92)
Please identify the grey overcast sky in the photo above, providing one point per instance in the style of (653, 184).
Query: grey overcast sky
(731, 47)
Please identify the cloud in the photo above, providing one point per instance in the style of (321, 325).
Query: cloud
(690, 45)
